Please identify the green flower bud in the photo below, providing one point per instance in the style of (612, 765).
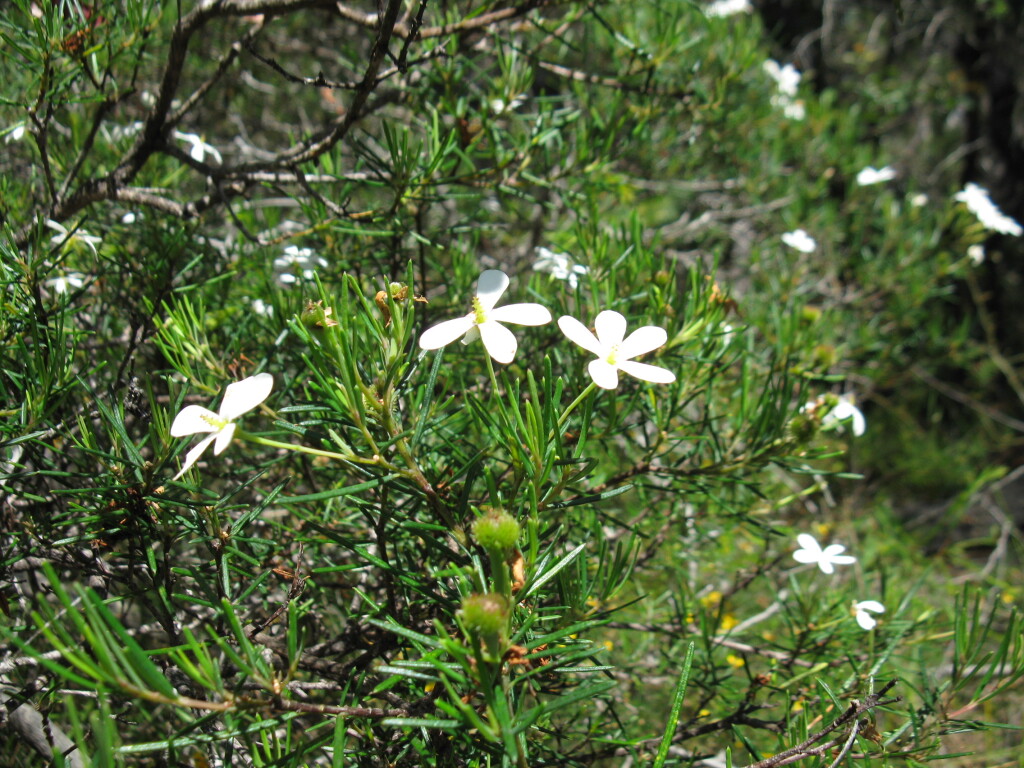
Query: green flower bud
(496, 530)
(316, 316)
(803, 427)
(485, 615)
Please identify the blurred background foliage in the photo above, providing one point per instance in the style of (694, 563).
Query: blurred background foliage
(188, 187)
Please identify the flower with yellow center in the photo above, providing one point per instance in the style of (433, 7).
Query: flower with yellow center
(240, 397)
(615, 351)
(485, 321)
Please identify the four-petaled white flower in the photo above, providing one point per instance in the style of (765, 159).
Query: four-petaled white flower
(559, 266)
(980, 204)
(844, 411)
(826, 559)
(64, 236)
(800, 240)
(869, 175)
(199, 148)
(64, 283)
(485, 322)
(615, 351)
(722, 8)
(865, 619)
(240, 397)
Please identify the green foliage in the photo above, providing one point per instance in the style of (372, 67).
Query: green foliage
(420, 557)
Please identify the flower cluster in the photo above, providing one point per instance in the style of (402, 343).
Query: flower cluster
(811, 552)
(787, 82)
(615, 351)
(297, 264)
(559, 266)
(980, 204)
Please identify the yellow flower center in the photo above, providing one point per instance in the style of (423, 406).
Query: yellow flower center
(480, 314)
(613, 355)
(213, 421)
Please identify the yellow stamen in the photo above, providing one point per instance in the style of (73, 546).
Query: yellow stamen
(478, 311)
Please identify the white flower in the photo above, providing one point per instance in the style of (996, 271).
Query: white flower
(615, 351)
(500, 106)
(980, 204)
(260, 307)
(865, 619)
(869, 175)
(240, 397)
(485, 322)
(297, 262)
(786, 78)
(721, 8)
(793, 109)
(976, 253)
(17, 133)
(919, 200)
(845, 411)
(800, 240)
(65, 237)
(200, 149)
(559, 266)
(811, 552)
(64, 283)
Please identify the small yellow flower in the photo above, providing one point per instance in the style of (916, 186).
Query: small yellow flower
(728, 622)
(735, 661)
(711, 599)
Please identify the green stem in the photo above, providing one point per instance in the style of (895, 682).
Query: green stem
(350, 457)
(499, 570)
(575, 403)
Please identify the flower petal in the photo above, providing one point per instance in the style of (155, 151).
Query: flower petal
(242, 396)
(826, 566)
(804, 556)
(652, 373)
(489, 287)
(604, 374)
(193, 419)
(193, 456)
(831, 552)
(445, 333)
(866, 620)
(809, 543)
(641, 341)
(521, 314)
(580, 334)
(224, 438)
(610, 327)
(498, 340)
(870, 605)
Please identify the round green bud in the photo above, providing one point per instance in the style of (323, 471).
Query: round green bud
(485, 614)
(496, 530)
(803, 427)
